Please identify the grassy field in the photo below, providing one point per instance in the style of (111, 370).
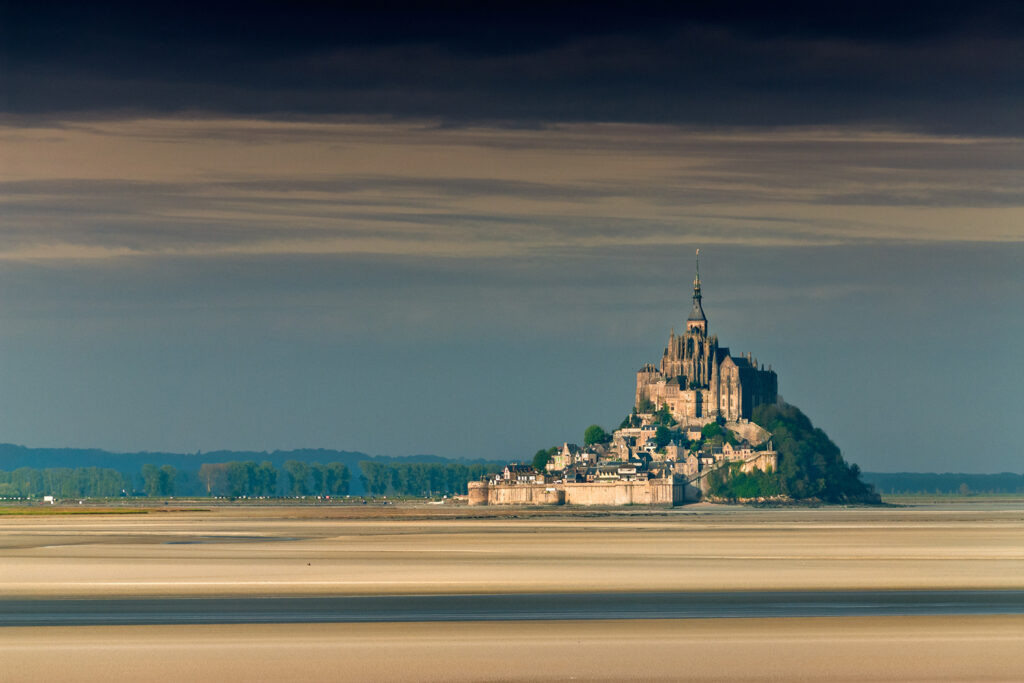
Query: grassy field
(47, 510)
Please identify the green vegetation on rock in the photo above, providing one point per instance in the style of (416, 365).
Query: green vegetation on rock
(810, 465)
(663, 436)
(729, 482)
(595, 434)
(645, 406)
(664, 417)
(717, 434)
(631, 420)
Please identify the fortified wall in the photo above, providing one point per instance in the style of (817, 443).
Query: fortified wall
(765, 462)
(668, 492)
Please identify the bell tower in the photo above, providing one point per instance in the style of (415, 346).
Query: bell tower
(697, 321)
(694, 342)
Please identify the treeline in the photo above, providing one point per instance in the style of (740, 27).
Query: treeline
(245, 479)
(223, 479)
(65, 482)
(810, 464)
(251, 479)
(949, 482)
(421, 479)
(186, 481)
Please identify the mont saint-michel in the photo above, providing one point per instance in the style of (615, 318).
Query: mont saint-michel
(702, 424)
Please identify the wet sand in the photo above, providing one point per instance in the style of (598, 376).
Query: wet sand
(262, 551)
(352, 551)
(834, 649)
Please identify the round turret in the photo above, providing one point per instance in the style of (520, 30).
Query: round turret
(478, 492)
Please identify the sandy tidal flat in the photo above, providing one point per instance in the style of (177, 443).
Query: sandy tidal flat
(275, 551)
(337, 551)
(833, 649)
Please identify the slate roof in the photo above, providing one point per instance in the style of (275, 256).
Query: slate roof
(697, 313)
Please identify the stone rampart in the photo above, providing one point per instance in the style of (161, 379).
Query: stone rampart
(666, 492)
(766, 462)
(651, 492)
(518, 494)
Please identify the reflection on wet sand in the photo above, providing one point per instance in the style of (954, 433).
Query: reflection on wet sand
(252, 552)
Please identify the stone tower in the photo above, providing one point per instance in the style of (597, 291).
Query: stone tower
(688, 357)
(699, 380)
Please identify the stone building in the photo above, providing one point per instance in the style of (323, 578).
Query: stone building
(699, 380)
(652, 459)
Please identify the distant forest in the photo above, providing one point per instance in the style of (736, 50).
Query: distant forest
(949, 482)
(422, 479)
(89, 473)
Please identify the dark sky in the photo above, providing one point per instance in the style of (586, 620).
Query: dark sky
(410, 229)
(948, 67)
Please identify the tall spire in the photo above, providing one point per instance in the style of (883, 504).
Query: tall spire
(696, 279)
(697, 312)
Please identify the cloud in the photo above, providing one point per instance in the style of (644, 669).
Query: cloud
(231, 186)
(918, 67)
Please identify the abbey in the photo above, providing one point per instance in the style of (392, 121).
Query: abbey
(691, 417)
(699, 380)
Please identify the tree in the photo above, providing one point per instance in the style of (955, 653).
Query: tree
(298, 474)
(595, 434)
(336, 479)
(376, 477)
(241, 478)
(717, 434)
(266, 477)
(416, 479)
(150, 480)
(662, 436)
(542, 457)
(214, 476)
(65, 482)
(157, 481)
(664, 416)
(318, 473)
(168, 477)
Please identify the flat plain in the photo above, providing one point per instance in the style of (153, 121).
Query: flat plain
(423, 549)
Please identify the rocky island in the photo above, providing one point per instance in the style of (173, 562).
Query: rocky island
(705, 424)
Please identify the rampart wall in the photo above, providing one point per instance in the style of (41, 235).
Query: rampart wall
(766, 462)
(653, 492)
(516, 494)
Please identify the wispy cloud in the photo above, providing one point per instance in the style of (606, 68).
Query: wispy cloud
(231, 186)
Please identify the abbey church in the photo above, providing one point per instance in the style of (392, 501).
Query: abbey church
(691, 417)
(699, 380)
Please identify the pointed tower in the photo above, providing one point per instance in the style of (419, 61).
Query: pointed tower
(694, 343)
(697, 321)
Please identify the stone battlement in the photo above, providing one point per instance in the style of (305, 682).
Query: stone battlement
(668, 491)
